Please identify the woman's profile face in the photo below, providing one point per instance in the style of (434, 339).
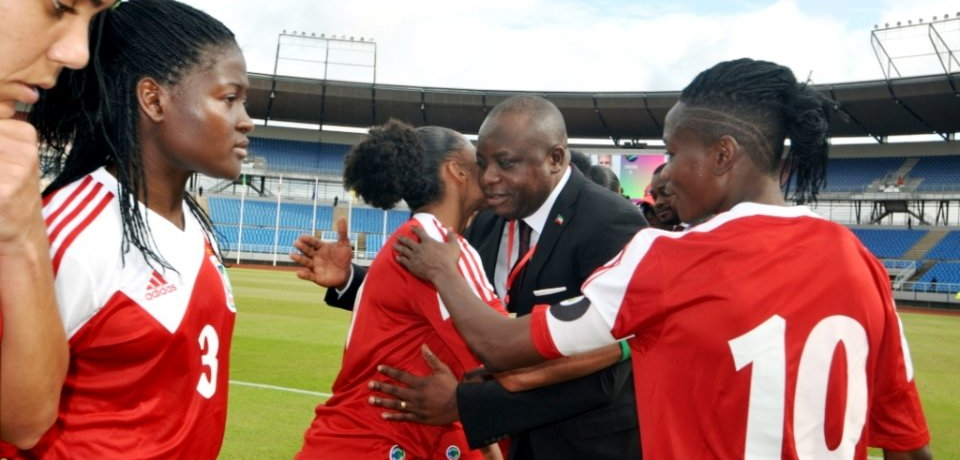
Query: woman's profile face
(475, 196)
(38, 39)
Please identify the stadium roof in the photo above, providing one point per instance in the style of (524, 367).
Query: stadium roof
(903, 106)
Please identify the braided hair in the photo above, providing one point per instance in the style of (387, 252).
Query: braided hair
(397, 161)
(90, 118)
(761, 104)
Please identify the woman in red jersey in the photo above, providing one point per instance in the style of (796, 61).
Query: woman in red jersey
(434, 170)
(764, 331)
(144, 299)
(37, 40)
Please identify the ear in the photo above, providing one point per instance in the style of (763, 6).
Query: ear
(728, 152)
(556, 158)
(150, 98)
(457, 171)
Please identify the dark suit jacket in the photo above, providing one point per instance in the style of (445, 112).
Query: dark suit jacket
(590, 418)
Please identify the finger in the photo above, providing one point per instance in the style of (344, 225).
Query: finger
(342, 231)
(400, 393)
(306, 262)
(439, 367)
(451, 236)
(421, 233)
(305, 275)
(398, 375)
(305, 247)
(400, 416)
(405, 243)
(386, 403)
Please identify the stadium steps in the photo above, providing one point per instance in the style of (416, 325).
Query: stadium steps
(905, 168)
(919, 250)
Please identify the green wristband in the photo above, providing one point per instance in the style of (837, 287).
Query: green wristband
(624, 351)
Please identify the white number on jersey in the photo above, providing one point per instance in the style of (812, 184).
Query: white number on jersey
(765, 348)
(209, 346)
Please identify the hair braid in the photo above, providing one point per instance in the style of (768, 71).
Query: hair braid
(761, 104)
(94, 112)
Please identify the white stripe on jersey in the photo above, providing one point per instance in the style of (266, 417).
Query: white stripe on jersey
(470, 267)
(76, 211)
(607, 286)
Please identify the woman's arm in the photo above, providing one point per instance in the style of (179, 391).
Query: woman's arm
(33, 350)
(560, 370)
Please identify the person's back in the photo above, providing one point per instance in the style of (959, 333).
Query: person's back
(761, 326)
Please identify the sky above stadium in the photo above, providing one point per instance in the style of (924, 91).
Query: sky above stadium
(567, 45)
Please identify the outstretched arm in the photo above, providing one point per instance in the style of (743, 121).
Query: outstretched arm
(33, 351)
(559, 370)
(326, 264)
(501, 343)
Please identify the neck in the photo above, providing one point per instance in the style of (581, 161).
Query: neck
(762, 188)
(164, 186)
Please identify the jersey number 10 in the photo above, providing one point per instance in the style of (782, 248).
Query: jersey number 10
(765, 348)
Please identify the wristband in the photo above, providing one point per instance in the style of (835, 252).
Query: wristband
(624, 351)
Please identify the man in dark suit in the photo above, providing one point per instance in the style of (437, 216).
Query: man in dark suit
(546, 229)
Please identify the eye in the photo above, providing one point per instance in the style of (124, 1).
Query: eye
(60, 9)
(506, 164)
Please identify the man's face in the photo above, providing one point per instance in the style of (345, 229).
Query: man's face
(517, 173)
(605, 160)
(661, 204)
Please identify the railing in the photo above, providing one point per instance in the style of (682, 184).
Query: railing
(901, 270)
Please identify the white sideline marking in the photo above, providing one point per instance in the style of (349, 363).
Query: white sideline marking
(274, 387)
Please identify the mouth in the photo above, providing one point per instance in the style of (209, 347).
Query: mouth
(241, 148)
(495, 199)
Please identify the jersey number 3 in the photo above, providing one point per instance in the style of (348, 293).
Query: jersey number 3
(765, 348)
(209, 346)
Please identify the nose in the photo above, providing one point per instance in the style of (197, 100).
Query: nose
(245, 125)
(72, 48)
(488, 175)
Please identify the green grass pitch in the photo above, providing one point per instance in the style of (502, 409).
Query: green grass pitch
(286, 337)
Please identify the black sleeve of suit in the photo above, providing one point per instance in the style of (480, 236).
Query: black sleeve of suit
(489, 412)
(346, 300)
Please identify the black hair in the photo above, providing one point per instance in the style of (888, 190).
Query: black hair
(761, 104)
(605, 177)
(397, 161)
(95, 111)
(580, 160)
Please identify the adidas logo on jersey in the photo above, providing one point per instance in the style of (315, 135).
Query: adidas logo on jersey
(158, 286)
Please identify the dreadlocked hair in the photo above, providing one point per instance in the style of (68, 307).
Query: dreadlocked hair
(90, 118)
(397, 161)
(761, 104)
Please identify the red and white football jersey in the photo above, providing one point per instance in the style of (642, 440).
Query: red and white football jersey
(395, 313)
(149, 348)
(766, 332)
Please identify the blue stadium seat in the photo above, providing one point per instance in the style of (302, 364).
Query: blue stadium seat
(855, 174)
(938, 173)
(889, 244)
(947, 248)
(300, 156)
(942, 277)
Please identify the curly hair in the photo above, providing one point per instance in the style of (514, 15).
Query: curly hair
(399, 162)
